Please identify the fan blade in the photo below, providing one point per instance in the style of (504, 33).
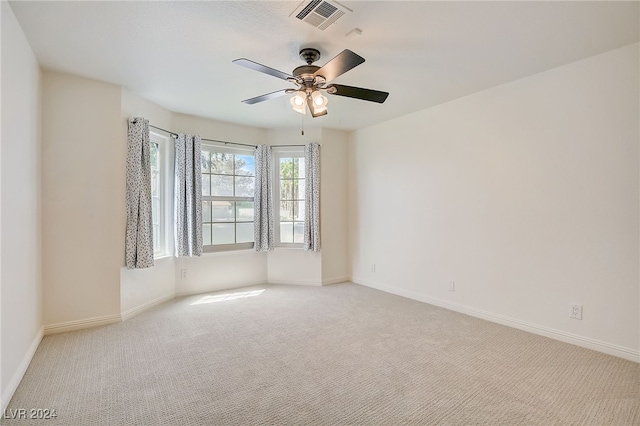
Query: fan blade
(312, 108)
(358, 93)
(262, 68)
(266, 97)
(342, 63)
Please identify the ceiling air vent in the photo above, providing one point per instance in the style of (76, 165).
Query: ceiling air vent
(320, 13)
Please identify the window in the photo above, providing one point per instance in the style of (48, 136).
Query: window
(289, 203)
(158, 145)
(228, 179)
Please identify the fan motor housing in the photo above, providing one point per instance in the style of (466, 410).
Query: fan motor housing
(305, 73)
(305, 69)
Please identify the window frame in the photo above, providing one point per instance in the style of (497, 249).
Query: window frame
(214, 248)
(162, 141)
(277, 155)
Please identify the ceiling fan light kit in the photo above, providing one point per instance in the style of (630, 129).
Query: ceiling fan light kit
(317, 104)
(312, 80)
(298, 102)
(319, 101)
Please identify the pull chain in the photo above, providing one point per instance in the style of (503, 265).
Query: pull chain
(302, 124)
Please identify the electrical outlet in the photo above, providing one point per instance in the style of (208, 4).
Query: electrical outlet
(183, 274)
(576, 312)
(452, 286)
(373, 267)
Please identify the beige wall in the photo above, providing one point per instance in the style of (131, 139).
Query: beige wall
(333, 206)
(219, 130)
(220, 271)
(83, 204)
(526, 195)
(20, 251)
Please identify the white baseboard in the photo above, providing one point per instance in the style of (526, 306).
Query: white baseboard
(7, 393)
(585, 342)
(80, 324)
(130, 313)
(337, 280)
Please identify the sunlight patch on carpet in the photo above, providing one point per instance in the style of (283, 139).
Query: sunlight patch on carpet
(227, 296)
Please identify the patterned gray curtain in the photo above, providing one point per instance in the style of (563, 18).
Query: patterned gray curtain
(188, 196)
(263, 200)
(139, 234)
(312, 197)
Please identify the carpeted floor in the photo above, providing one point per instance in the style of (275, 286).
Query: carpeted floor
(336, 355)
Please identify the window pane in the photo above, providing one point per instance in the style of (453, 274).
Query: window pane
(222, 211)
(296, 170)
(154, 156)
(298, 210)
(206, 211)
(301, 171)
(206, 234)
(286, 232)
(206, 161)
(155, 209)
(286, 210)
(300, 189)
(287, 168)
(223, 233)
(298, 232)
(244, 211)
(221, 163)
(245, 165)
(221, 185)
(155, 183)
(288, 189)
(206, 184)
(157, 197)
(244, 186)
(244, 232)
(156, 238)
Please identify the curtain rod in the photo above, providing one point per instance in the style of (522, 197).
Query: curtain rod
(174, 134)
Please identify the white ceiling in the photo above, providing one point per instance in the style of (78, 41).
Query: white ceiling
(178, 53)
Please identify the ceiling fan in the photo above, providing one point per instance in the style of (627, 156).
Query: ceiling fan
(312, 80)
